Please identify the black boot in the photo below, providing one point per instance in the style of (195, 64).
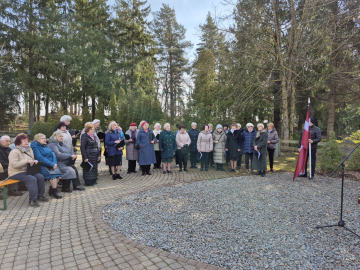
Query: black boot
(222, 168)
(118, 176)
(206, 168)
(263, 173)
(51, 191)
(56, 194)
(217, 166)
(114, 176)
(143, 172)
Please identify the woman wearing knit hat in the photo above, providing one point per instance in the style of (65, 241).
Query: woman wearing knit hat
(132, 154)
(145, 140)
(248, 137)
(167, 146)
(205, 146)
(219, 139)
(260, 147)
(183, 142)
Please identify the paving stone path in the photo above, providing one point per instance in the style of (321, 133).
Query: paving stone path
(70, 234)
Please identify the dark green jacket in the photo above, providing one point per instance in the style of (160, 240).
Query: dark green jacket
(167, 144)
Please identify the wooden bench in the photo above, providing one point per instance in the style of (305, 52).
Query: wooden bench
(3, 186)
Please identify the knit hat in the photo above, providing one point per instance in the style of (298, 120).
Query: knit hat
(249, 125)
(143, 123)
(95, 121)
(312, 120)
(226, 125)
(193, 123)
(133, 125)
(219, 126)
(260, 124)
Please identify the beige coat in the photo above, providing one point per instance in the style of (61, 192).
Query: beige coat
(182, 139)
(18, 160)
(219, 148)
(156, 145)
(205, 142)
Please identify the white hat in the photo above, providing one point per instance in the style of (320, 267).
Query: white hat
(193, 123)
(95, 121)
(219, 126)
(249, 125)
(260, 124)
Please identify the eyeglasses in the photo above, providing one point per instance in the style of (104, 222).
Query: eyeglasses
(42, 138)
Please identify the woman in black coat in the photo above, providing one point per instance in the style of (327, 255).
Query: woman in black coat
(90, 153)
(233, 142)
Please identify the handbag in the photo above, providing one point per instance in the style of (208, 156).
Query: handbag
(53, 171)
(136, 146)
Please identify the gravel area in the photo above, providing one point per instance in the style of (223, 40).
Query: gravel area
(246, 222)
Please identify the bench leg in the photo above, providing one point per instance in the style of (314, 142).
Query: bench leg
(4, 198)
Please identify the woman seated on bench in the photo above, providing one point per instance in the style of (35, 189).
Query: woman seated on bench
(18, 159)
(64, 156)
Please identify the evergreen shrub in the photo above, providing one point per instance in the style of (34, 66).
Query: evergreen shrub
(46, 128)
(354, 161)
(332, 155)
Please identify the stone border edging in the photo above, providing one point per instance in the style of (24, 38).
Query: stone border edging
(116, 236)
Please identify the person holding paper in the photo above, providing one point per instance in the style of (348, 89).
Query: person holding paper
(19, 158)
(233, 141)
(64, 156)
(90, 154)
(115, 143)
(260, 147)
(157, 130)
(167, 146)
(183, 142)
(205, 146)
(145, 140)
(219, 139)
(132, 153)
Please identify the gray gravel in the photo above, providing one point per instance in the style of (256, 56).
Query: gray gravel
(246, 222)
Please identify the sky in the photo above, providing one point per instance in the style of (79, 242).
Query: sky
(190, 14)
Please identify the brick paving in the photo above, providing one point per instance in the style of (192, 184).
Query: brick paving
(70, 234)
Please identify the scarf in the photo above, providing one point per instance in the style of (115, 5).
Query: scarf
(91, 136)
(232, 131)
(23, 148)
(133, 135)
(259, 132)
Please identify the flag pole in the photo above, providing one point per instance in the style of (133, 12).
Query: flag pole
(309, 145)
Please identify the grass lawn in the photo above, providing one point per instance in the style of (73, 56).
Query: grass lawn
(286, 162)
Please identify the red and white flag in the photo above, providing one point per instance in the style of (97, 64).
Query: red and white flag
(300, 167)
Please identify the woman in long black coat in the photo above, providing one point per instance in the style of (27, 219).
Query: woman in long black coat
(260, 146)
(233, 142)
(90, 153)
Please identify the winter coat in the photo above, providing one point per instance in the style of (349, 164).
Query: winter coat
(156, 145)
(4, 156)
(241, 131)
(219, 148)
(261, 142)
(205, 142)
(233, 141)
(194, 134)
(110, 137)
(72, 132)
(182, 138)
(248, 139)
(63, 155)
(67, 139)
(147, 152)
(18, 159)
(167, 144)
(273, 138)
(89, 150)
(131, 152)
(315, 136)
(95, 136)
(47, 157)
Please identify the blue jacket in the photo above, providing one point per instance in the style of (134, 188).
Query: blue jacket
(147, 152)
(46, 156)
(248, 139)
(110, 137)
(194, 134)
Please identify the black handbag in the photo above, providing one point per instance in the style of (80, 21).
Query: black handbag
(136, 146)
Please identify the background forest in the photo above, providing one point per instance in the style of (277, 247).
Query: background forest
(84, 57)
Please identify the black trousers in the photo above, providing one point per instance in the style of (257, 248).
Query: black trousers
(131, 165)
(313, 162)
(247, 157)
(158, 159)
(76, 182)
(145, 168)
(183, 159)
(239, 160)
(193, 158)
(211, 158)
(271, 157)
(205, 159)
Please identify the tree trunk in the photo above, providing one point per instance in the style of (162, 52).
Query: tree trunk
(333, 84)
(93, 107)
(47, 101)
